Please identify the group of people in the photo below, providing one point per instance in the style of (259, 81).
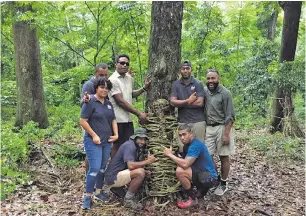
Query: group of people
(205, 118)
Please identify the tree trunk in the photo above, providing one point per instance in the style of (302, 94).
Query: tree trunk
(272, 25)
(164, 60)
(30, 95)
(165, 48)
(283, 108)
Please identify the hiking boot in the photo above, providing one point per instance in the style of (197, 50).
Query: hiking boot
(86, 202)
(221, 189)
(187, 203)
(102, 196)
(130, 203)
(118, 191)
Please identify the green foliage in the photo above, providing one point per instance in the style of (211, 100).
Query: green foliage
(299, 104)
(14, 151)
(278, 146)
(255, 84)
(287, 75)
(63, 154)
(248, 118)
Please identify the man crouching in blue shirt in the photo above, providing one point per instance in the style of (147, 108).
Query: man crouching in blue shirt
(196, 169)
(126, 169)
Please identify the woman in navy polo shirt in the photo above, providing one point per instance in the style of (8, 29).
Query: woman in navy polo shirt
(100, 125)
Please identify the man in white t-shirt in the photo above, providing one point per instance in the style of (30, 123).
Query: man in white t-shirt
(121, 97)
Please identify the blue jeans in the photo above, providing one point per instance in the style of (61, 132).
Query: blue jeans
(98, 156)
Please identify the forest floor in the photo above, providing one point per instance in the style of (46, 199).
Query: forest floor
(257, 186)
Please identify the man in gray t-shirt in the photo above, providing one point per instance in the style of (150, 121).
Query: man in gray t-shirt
(187, 94)
(88, 87)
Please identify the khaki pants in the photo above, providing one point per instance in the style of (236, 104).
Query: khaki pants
(214, 142)
(198, 130)
(123, 178)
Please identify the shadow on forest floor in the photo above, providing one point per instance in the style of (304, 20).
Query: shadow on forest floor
(257, 186)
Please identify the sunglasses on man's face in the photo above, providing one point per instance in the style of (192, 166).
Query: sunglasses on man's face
(124, 63)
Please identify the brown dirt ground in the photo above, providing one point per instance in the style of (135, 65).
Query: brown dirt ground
(257, 186)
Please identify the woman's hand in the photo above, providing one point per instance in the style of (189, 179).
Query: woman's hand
(96, 140)
(112, 139)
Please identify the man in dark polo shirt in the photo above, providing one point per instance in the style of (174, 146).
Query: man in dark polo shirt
(187, 94)
(125, 168)
(220, 116)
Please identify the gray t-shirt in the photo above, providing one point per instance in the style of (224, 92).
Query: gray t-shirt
(219, 108)
(188, 114)
(126, 152)
(89, 87)
(100, 117)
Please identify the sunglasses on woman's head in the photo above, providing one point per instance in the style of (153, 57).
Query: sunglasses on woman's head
(124, 63)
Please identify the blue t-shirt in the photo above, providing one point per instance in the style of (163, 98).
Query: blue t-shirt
(203, 161)
(100, 117)
(126, 152)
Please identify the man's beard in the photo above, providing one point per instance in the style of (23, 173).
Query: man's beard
(215, 86)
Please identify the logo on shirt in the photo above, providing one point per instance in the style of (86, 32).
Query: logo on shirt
(109, 106)
(192, 88)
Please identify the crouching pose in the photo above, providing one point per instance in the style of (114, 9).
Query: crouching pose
(196, 170)
(125, 168)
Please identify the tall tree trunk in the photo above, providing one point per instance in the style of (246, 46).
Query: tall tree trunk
(272, 25)
(165, 48)
(164, 60)
(283, 108)
(30, 95)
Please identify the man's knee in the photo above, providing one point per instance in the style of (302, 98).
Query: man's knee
(140, 173)
(179, 172)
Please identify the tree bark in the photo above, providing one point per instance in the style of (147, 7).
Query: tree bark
(30, 95)
(164, 60)
(165, 48)
(283, 108)
(272, 25)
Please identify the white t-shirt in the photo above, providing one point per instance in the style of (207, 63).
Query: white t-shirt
(122, 85)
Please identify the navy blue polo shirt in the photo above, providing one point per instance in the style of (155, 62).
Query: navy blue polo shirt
(188, 113)
(126, 152)
(100, 117)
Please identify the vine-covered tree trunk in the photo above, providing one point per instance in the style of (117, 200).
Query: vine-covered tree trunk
(283, 108)
(165, 48)
(164, 60)
(30, 95)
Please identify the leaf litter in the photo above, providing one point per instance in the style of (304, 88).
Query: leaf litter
(257, 186)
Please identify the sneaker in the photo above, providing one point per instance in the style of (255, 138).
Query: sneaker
(119, 191)
(221, 189)
(130, 203)
(187, 203)
(86, 202)
(102, 197)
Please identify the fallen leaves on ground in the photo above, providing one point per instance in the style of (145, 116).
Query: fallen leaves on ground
(257, 186)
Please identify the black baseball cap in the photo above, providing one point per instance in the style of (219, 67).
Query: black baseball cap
(186, 63)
